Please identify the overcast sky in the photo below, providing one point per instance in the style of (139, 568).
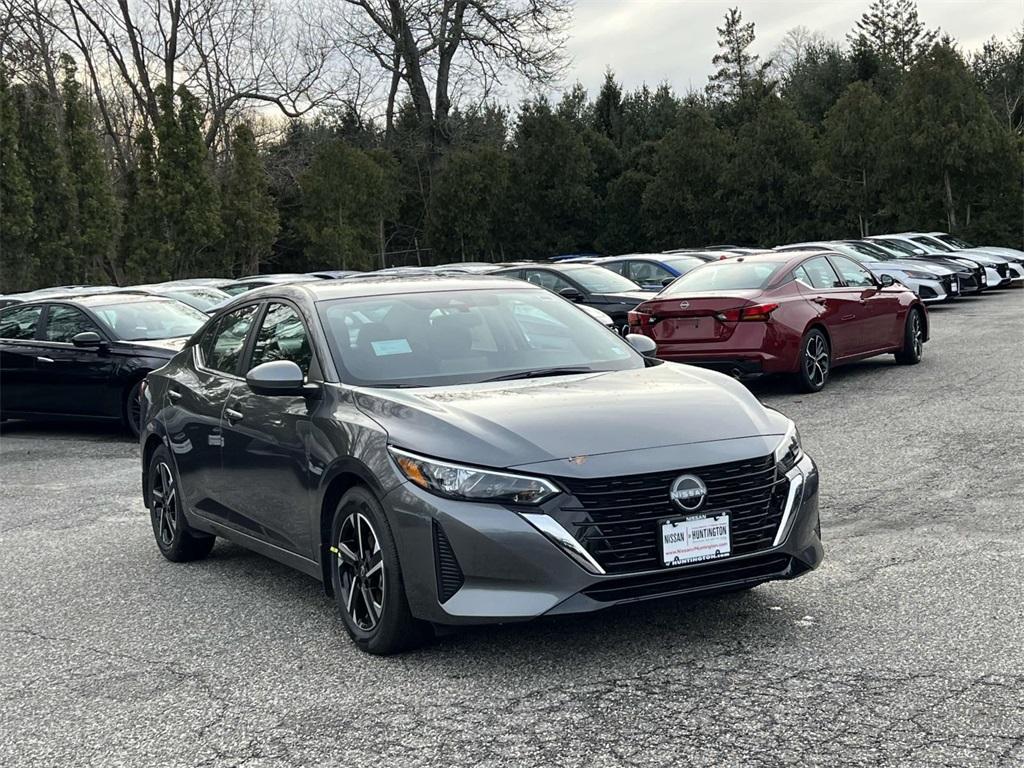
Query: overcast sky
(673, 40)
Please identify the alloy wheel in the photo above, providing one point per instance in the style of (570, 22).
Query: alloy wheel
(361, 568)
(816, 360)
(917, 334)
(164, 497)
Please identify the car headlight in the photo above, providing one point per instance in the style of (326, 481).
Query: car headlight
(921, 275)
(454, 481)
(789, 452)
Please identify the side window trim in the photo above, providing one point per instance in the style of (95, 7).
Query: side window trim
(200, 363)
(258, 324)
(34, 338)
(839, 272)
(831, 266)
(44, 323)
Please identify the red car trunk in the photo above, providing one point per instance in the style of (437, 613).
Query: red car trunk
(710, 317)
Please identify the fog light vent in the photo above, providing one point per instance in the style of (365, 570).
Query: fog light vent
(449, 574)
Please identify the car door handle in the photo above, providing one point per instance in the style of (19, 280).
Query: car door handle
(44, 359)
(820, 300)
(232, 415)
(174, 394)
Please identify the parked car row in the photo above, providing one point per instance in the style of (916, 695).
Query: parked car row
(461, 444)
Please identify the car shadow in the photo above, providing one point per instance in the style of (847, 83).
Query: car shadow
(709, 625)
(71, 429)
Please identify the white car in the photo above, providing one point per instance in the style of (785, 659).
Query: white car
(997, 269)
(1014, 256)
(933, 283)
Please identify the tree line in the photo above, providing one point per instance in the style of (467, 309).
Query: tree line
(127, 158)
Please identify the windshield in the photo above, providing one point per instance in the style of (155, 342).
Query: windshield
(902, 247)
(872, 250)
(728, 275)
(462, 337)
(931, 242)
(601, 280)
(150, 320)
(200, 298)
(955, 241)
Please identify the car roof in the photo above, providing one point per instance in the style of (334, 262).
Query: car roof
(385, 285)
(103, 299)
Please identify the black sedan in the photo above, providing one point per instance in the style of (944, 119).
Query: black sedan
(585, 284)
(86, 356)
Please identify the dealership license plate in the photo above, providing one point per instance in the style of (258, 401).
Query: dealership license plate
(695, 539)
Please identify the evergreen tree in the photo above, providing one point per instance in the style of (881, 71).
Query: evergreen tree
(622, 229)
(96, 203)
(469, 205)
(852, 165)
(190, 204)
(682, 204)
(817, 80)
(767, 182)
(145, 249)
(740, 72)
(347, 193)
(910, 38)
(999, 69)
(55, 205)
(893, 32)
(249, 218)
(607, 111)
(957, 169)
(552, 185)
(19, 265)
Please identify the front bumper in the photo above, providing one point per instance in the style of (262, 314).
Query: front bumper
(935, 291)
(509, 569)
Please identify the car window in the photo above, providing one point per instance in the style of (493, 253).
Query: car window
(801, 274)
(854, 274)
(600, 280)
(282, 336)
(545, 279)
(20, 322)
(64, 323)
(228, 340)
(647, 272)
(821, 274)
(618, 267)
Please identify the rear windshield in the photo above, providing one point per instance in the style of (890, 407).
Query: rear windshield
(684, 263)
(728, 275)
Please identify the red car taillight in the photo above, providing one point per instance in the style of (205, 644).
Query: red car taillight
(636, 317)
(757, 312)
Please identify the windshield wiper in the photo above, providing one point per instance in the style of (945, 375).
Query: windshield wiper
(539, 373)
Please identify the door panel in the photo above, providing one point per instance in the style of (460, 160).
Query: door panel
(73, 380)
(266, 460)
(873, 325)
(18, 329)
(839, 307)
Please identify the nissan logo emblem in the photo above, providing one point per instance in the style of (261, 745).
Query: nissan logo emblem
(688, 492)
(684, 305)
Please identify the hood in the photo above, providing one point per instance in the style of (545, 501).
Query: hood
(504, 424)
(915, 266)
(982, 257)
(1007, 253)
(157, 347)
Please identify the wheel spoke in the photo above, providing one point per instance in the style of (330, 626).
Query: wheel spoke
(371, 607)
(351, 594)
(375, 568)
(346, 554)
(359, 534)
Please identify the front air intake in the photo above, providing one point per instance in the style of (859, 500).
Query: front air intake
(449, 574)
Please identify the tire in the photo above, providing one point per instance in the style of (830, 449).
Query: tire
(913, 339)
(815, 362)
(133, 409)
(367, 578)
(174, 538)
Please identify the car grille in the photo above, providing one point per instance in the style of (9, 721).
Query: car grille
(699, 577)
(617, 519)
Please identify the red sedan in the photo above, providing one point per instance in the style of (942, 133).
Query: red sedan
(801, 313)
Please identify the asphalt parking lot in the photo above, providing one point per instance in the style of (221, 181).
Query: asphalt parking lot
(905, 648)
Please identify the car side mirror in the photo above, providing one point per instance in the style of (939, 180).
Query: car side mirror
(667, 282)
(643, 344)
(278, 377)
(886, 280)
(87, 339)
(571, 294)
